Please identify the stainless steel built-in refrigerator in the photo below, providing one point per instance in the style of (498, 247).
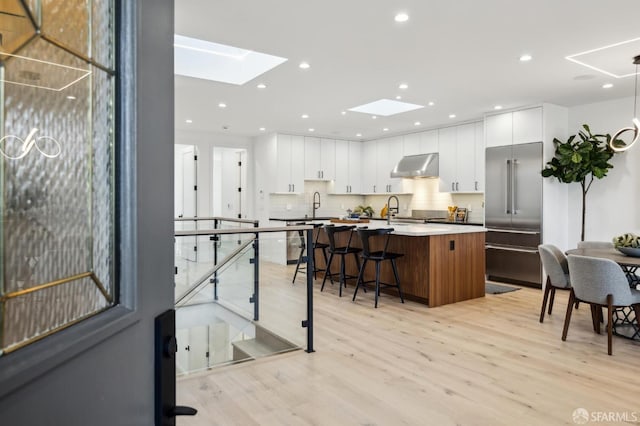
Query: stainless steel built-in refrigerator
(513, 213)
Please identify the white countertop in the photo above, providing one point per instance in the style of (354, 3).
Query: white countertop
(416, 230)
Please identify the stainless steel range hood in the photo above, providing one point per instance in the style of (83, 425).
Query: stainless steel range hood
(417, 166)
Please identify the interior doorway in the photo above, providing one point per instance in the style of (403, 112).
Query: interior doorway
(186, 181)
(229, 182)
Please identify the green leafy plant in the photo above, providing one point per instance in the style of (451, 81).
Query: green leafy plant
(368, 210)
(581, 158)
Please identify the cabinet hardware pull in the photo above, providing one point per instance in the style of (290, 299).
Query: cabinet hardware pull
(453, 186)
(456, 186)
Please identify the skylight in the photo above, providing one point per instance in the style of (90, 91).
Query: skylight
(218, 62)
(614, 60)
(386, 107)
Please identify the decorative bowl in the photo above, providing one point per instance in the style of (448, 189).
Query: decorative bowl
(629, 251)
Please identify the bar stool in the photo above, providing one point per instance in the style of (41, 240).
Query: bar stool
(341, 251)
(377, 257)
(303, 246)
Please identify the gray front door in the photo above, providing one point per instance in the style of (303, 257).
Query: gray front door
(100, 371)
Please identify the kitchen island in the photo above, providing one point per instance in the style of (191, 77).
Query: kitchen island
(442, 264)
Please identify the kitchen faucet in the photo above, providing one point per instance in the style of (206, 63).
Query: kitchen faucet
(316, 203)
(390, 209)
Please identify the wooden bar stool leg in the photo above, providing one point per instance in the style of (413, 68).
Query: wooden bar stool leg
(553, 296)
(395, 274)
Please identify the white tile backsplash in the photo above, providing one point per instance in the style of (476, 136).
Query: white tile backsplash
(426, 196)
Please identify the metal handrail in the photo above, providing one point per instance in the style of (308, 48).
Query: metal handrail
(225, 219)
(213, 270)
(308, 323)
(201, 232)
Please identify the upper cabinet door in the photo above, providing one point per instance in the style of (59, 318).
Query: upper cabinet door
(429, 142)
(527, 125)
(411, 144)
(465, 155)
(499, 130)
(479, 157)
(447, 160)
(297, 163)
(343, 163)
(369, 167)
(311, 158)
(355, 167)
(283, 164)
(327, 159)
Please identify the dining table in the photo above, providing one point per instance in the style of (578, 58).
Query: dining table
(623, 322)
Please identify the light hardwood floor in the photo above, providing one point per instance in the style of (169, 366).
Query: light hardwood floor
(485, 361)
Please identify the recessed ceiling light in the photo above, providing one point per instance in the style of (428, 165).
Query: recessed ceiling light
(262, 86)
(497, 107)
(304, 65)
(452, 116)
(358, 135)
(431, 103)
(417, 123)
(525, 58)
(607, 86)
(373, 117)
(312, 129)
(305, 116)
(386, 129)
(385, 107)
(401, 17)
(262, 129)
(222, 105)
(398, 97)
(218, 62)
(71, 97)
(188, 121)
(343, 112)
(403, 86)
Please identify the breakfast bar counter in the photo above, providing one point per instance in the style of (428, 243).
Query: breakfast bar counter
(442, 263)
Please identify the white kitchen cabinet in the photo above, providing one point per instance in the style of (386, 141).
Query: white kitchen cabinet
(420, 143)
(319, 159)
(522, 126)
(411, 144)
(499, 129)
(348, 174)
(480, 163)
(460, 170)
(389, 152)
(369, 167)
(378, 159)
(429, 142)
(447, 159)
(527, 125)
(289, 164)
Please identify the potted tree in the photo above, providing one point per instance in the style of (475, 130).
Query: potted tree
(581, 158)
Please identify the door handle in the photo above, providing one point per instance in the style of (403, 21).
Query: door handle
(508, 189)
(165, 371)
(514, 185)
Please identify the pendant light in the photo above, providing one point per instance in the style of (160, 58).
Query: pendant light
(636, 122)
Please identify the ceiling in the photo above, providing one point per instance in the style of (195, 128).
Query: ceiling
(463, 55)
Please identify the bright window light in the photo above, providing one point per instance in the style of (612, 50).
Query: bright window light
(218, 62)
(385, 107)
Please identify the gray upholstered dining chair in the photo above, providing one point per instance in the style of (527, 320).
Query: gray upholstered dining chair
(599, 282)
(595, 244)
(557, 269)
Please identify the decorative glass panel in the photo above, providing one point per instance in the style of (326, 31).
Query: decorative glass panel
(57, 168)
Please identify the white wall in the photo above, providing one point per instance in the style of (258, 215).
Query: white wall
(613, 202)
(205, 142)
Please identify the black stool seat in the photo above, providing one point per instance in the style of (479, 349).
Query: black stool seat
(377, 256)
(341, 251)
